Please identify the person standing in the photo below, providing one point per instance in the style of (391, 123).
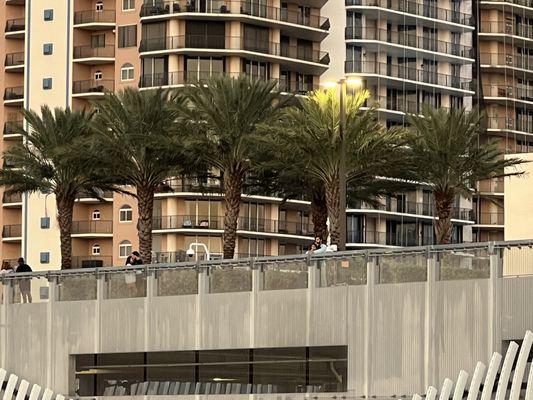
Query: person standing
(6, 269)
(131, 277)
(25, 283)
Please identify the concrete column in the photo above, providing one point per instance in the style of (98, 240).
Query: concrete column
(50, 311)
(151, 291)
(101, 287)
(7, 300)
(203, 290)
(372, 278)
(257, 286)
(430, 361)
(495, 300)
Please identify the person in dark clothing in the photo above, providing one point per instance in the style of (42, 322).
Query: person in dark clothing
(134, 259)
(24, 284)
(131, 277)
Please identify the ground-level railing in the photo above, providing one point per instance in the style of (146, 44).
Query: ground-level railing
(416, 264)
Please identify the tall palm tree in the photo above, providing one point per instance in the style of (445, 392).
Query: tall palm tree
(56, 156)
(311, 133)
(446, 154)
(229, 112)
(142, 133)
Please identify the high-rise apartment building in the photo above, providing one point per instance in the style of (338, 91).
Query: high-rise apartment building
(408, 54)
(69, 53)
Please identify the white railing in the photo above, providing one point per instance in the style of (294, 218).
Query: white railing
(20, 388)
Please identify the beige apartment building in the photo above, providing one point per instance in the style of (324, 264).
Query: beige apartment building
(69, 53)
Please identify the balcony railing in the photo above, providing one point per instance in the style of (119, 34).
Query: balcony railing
(9, 198)
(510, 60)
(508, 91)
(234, 7)
(416, 208)
(98, 227)
(410, 73)
(524, 3)
(489, 218)
(502, 27)
(233, 43)
(409, 40)
(12, 127)
(93, 86)
(104, 195)
(14, 93)
(15, 25)
(383, 238)
(418, 9)
(510, 123)
(87, 51)
(405, 103)
(92, 261)
(12, 231)
(14, 59)
(495, 185)
(93, 16)
(245, 224)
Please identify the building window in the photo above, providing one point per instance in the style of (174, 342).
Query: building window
(95, 250)
(45, 257)
(45, 223)
(127, 36)
(48, 49)
(48, 15)
(98, 75)
(47, 83)
(126, 72)
(124, 249)
(96, 215)
(128, 5)
(125, 214)
(99, 6)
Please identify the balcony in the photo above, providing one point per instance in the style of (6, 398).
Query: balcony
(15, 2)
(11, 199)
(489, 218)
(417, 43)
(501, 28)
(239, 10)
(94, 20)
(418, 10)
(12, 129)
(188, 222)
(204, 44)
(15, 28)
(499, 60)
(92, 88)
(382, 238)
(495, 185)
(92, 261)
(94, 55)
(413, 208)
(402, 103)
(12, 232)
(14, 62)
(417, 76)
(88, 198)
(14, 96)
(99, 228)
(504, 92)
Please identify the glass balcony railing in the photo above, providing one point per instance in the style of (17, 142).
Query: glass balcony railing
(415, 208)
(417, 9)
(409, 39)
(404, 71)
(234, 43)
(235, 7)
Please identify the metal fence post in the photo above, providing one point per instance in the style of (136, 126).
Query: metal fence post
(495, 296)
(433, 275)
(372, 278)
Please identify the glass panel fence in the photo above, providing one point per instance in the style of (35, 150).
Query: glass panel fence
(288, 274)
(77, 287)
(31, 290)
(517, 261)
(342, 271)
(126, 284)
(464, 264)
(176, 282)
(230, 278)
(402, 268)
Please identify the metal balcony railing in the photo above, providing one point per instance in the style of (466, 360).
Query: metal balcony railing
(12, 231)
(495, 185)
(104, 195)
(15, 25)
(93, 16)
(93, 86)
(92, 261)
(99, 226)
(509, 60)
(235, 7)
(409, 73)
(409, 40)
(14, 93)
(509, 91)
(415, 208)
(417, 9)
(14, 59)
(8, 198)
(12, 127)
(507, 28)
(489, 218)
(88, 51)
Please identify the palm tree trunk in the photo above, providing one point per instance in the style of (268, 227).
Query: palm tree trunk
(233, 181)
(443, 210)
(319, 214)
(333, 205)
(65, 206)
(145, 202)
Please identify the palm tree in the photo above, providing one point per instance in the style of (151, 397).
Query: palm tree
(142, 133)
(447, 155)
(229, 112)
(311, 133)
(56, 156)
